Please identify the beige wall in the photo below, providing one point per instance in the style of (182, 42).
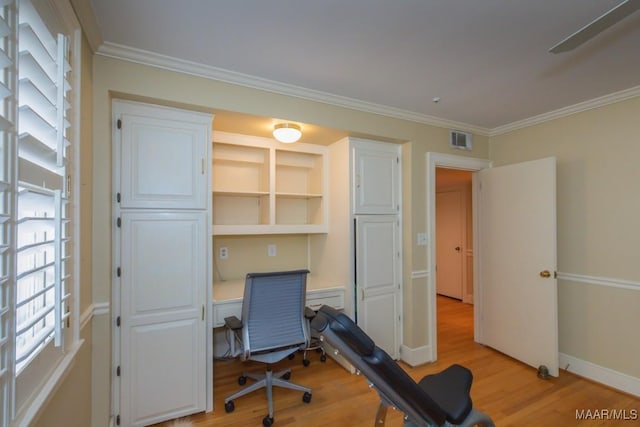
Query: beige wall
(70, 405)
(124, 79)
(597, 155)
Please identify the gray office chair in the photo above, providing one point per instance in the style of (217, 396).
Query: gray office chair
(273, 327)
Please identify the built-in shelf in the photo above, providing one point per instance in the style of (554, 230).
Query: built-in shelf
(261, 187)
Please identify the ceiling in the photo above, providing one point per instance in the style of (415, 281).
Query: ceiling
(487, 61)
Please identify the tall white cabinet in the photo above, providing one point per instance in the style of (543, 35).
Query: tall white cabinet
(364, 245)
(161, 275)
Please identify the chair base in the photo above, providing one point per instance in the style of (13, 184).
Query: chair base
(268, 380)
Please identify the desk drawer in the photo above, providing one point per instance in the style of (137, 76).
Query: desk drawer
(333, 299)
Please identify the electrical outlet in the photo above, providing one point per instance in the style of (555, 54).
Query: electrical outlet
(272, 250)
(223, 252)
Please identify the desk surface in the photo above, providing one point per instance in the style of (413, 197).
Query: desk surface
(234, 289)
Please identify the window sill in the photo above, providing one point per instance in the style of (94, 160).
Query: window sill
(32, 409)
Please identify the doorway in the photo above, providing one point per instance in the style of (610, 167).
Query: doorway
(454, 252)
(454, 230)
(471, 166)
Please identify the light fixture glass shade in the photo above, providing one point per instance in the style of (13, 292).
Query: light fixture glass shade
(287, 132)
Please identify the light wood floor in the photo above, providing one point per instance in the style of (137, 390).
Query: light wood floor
(507, 390)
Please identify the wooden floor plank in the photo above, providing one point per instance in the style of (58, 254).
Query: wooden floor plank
(509, 391)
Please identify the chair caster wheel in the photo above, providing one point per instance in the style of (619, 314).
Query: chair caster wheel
(306, 397)
(229, 406)
(242, 380)
(287, 376)
(267, 421)
(323, 358)
(306, 362)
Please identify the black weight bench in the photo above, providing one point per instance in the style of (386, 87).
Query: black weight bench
(441, 399)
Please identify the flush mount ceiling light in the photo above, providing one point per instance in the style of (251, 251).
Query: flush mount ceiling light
(287, 132)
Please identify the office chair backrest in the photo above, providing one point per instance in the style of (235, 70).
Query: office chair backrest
(273, 310)
(384, 373)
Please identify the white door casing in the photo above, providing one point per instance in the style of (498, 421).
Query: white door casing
(378, 279)
(517, 218)
(433, 161)
(449, 246)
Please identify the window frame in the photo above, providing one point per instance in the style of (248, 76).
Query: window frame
(23, 395)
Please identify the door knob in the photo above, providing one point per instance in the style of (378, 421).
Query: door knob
(457, 248)
(546, 274)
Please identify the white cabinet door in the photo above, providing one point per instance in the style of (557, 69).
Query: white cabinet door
(378, 279)
(162, 157)
(376, 177)
(163, 277)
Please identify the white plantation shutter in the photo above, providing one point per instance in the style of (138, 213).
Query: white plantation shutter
(7, 150)
(42, 223)
(35, 212)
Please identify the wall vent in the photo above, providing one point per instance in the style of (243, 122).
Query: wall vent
(460, 140)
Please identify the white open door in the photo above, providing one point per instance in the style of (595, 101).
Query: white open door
(517, 266)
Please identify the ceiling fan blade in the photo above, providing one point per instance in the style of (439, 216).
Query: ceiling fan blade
(598, 25)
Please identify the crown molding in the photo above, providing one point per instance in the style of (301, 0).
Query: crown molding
(88, 21)
(144, 57)
(126, 53)
(567, 111)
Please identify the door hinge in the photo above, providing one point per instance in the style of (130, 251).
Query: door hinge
(118, 371)
(119, 124)
(398, 160)
(202, 312)
(202, 167)
(117, 420)
(118, 197)
(118, 271)
(119, 222)
(118, 321)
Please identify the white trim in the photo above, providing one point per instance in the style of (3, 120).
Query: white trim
(45, 392)
(101, 308)
(567, 111)
(139, 56)
(602, 281)
(606, 376)
(473, 164)
(420, 274)
(416, 356)
(86, 316)
(86, 15)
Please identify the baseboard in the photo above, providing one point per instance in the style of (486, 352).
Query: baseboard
(415, 356)
(606, 376)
